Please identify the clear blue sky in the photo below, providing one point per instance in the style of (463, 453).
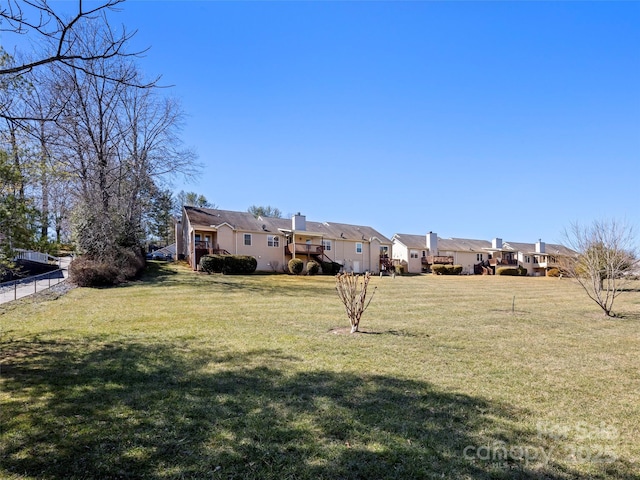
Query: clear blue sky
(470, 119)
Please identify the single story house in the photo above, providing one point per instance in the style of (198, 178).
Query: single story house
(275, 241)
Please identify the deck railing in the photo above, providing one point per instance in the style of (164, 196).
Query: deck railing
(437, 260)
(503, 261)
(304, 248)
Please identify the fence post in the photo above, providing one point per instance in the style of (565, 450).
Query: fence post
(15, 290)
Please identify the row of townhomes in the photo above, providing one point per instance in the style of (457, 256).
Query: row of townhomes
(358, 248)
(275, 241)
(420, 252)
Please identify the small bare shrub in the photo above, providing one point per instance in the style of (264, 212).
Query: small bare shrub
(352, 290)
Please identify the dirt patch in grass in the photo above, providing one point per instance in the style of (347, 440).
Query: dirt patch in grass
(347, 331)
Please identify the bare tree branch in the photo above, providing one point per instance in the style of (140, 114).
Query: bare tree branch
(59, 31)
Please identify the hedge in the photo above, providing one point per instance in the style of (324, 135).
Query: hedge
(331, 268)
(228, 264)
(446, 269)
(520, 271)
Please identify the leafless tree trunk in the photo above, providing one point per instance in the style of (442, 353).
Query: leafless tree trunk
(352, 290)
(607, 254)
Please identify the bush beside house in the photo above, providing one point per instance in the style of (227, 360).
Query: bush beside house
(511, 271)
(446, 269)
(228, 264)
(296, 266)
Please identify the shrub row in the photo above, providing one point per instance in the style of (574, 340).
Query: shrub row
(331, 268)
(228, 264)
(446, 269)
(520, 271)
(296, 266)
(88, 272)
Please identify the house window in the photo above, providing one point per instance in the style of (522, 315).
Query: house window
(527, 259)
(247, 239)
(359, 247)
(413, 254)
(327, 245)
(424, 253)
(479, 257)
(273, 241)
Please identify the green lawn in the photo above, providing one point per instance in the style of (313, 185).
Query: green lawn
(185, 375)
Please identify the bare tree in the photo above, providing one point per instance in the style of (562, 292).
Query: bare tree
(607, 253)
(119, 143)
(352, 290)
(57, 36)
(38, 19)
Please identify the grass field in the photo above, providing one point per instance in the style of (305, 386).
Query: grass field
(186, 375)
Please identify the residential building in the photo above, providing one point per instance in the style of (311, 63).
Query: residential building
(419, 252)
(275, 241)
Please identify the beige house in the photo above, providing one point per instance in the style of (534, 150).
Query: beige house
(419, 252)
(275, 241)
(536, 257)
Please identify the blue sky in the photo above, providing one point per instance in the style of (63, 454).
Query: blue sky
(470, 119)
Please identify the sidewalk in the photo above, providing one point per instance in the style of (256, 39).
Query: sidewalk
(30, 285)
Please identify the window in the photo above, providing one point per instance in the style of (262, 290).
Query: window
(479, 257)
(413, 254)
(359, 247)
(327, 245)
(247, 239)
(273, 241)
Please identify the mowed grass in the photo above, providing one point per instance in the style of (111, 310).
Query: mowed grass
(185, 375)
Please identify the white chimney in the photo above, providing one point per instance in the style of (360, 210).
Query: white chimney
(540, 247)
(432, 243)
(299, 222)
(496, 243)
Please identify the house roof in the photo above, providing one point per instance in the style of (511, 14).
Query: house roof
(419, 242)
(549, 248)
(450, 244)
(411, 241)
(245, 221)
(462, 244)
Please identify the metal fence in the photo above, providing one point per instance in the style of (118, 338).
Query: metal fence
(28, 286)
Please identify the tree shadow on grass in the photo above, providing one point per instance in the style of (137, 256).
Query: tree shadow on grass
(92, 409)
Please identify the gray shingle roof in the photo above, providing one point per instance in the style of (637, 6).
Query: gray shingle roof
(245, 221)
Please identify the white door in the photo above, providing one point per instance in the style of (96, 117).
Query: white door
(356, 266)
